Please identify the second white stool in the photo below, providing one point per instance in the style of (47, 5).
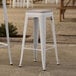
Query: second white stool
(7, 31)
(39, 21)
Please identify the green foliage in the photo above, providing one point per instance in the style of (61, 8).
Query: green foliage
(12, 30)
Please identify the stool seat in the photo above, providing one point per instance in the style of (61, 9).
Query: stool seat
(38, 11)
(39, 17)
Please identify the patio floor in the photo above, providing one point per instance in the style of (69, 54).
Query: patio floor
(67, 57)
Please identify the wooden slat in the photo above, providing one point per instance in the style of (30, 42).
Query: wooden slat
(67, 7)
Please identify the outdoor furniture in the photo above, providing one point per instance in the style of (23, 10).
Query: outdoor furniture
(64, 7)
(22, 3)
(7, 32)
(39, 17)
(46, 1)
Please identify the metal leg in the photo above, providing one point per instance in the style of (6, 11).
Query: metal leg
(42, 25)
(8, 42)
(6, 26)
(24, 37)
(36, 24)
(54, 39)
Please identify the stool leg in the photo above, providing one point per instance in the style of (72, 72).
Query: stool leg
(42, 26)
(54, 39)
(23, 41)
(35, 37)
(9, 52)
(6, 27)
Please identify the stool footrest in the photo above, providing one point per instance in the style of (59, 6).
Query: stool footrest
(3, 44)
(52, 46)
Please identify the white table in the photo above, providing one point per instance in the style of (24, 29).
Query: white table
(21, 3)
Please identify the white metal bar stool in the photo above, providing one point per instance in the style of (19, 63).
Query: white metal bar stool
(39, 21)
(7, 32)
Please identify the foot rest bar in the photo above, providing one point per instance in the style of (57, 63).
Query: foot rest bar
(3, 44)
(38, 49)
